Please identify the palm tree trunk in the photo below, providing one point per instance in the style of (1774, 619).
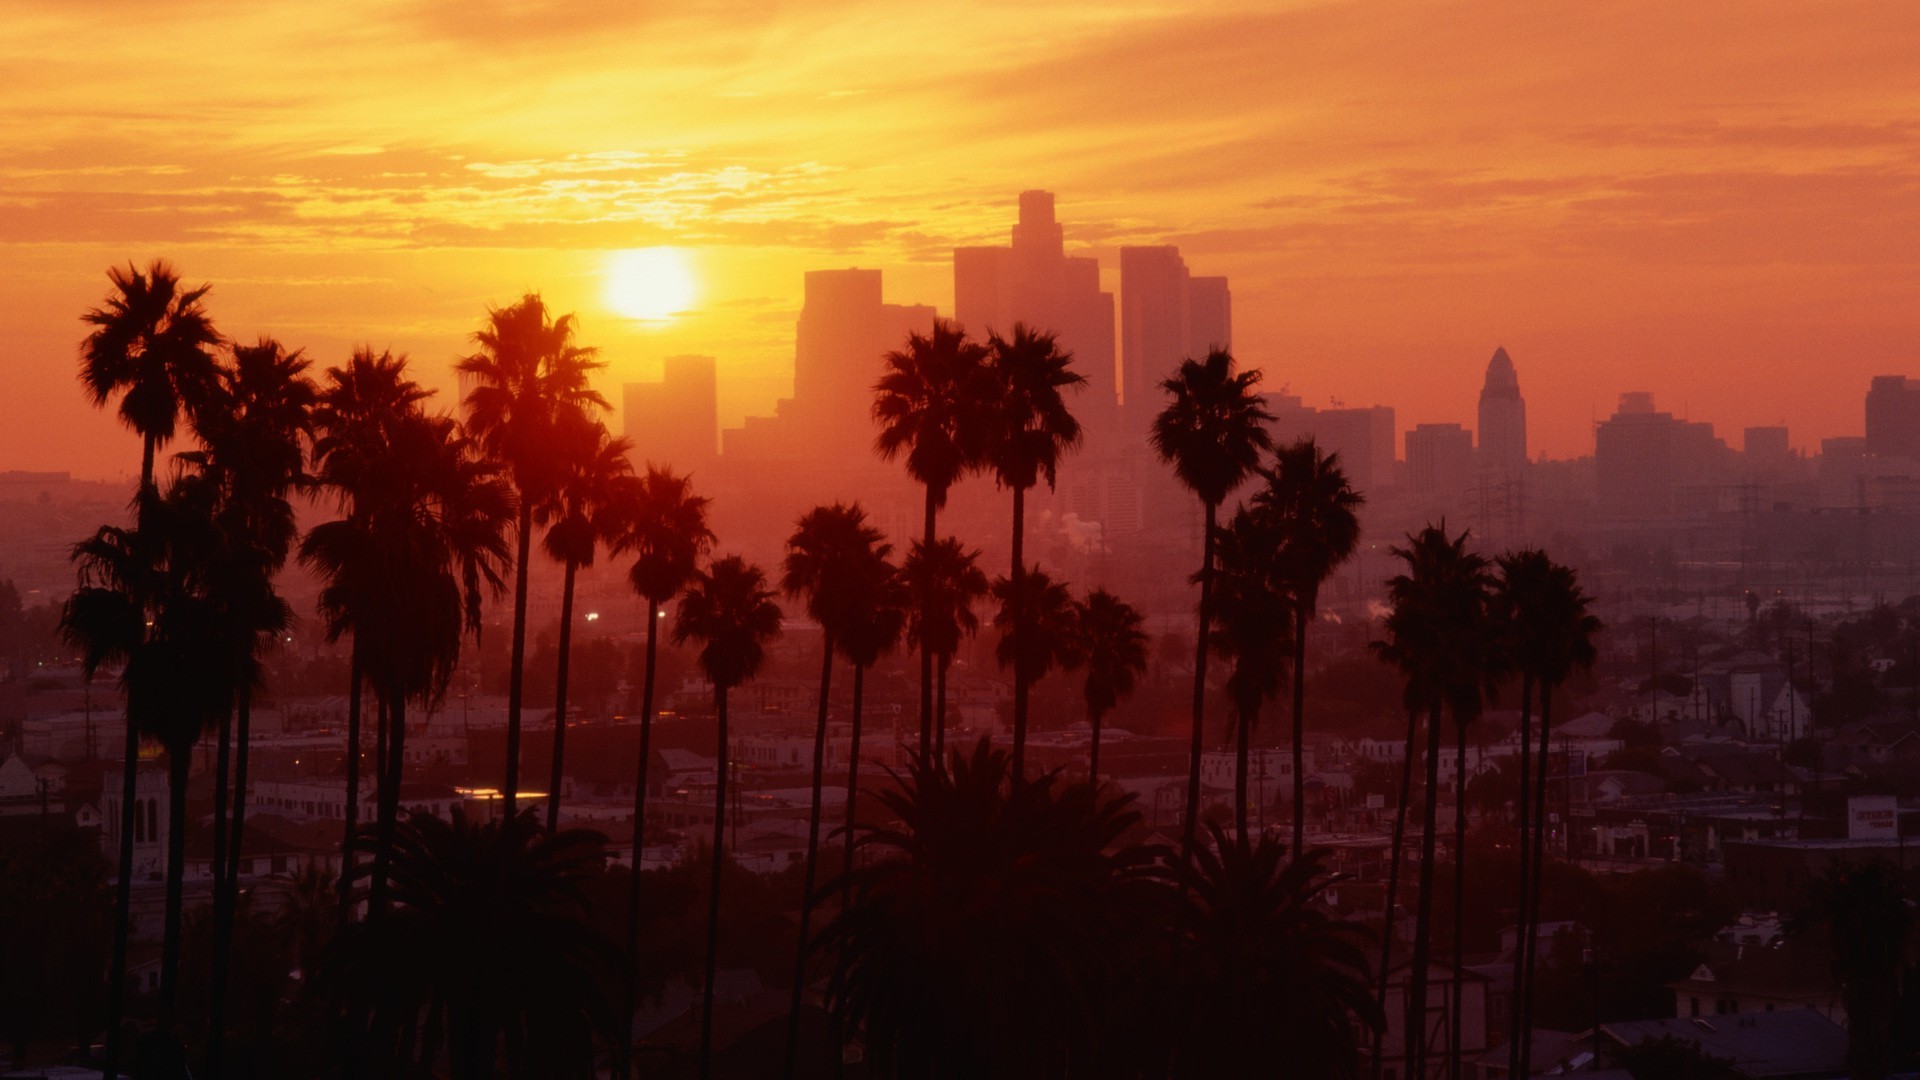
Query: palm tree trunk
(123, 901)
(396, 713)
(1515, 1013)
(625, 1045)
(1393, 877)
(940, 718)
(350, 812)
(1423, 918)
(926, 657)
(560, 702)
(853, 781)
(1199, 687)
(216, 996)
(1539, 868)
(1300, 624)
(813, 857)
(1242, 752)
(713, 884)
(226, 881)
(380, 743)
(1093, 757)
(510, 790)
(178, 765)
(1019, 633)
(1459, 890)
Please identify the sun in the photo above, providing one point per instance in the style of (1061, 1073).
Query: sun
(651, 284)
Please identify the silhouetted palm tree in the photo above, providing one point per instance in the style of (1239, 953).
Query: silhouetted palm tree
(879, 618)
(405, 573)
(489, 947)
(831, 556)
(665, 529)
(530, 379)
(1108, 642)
(585, 511)
(1030, 426)
(1868, 920)
(731, 612)
(151, 344)
(982, 924)
(1035, 621)
(1549, 633)
(946, 582)
(934, 403)
(1439, 636)
(1254, 629)
(360, 404)
(1265, 974)
(1309, 508)
(1212, 431)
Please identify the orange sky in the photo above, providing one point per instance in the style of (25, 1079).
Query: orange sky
(1718, 201)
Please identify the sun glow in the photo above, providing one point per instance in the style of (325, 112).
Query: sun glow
(651, 284)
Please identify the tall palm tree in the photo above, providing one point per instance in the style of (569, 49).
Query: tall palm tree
(830, 557)
(1310, 508)
(406, 574)
(934, 404)
(1254, 630)
(946, 581)
(530, 379)
(1030, 427)
(1035, 621)
(359, 406)
(879, 619)
(585, 511)
(1550, 632)
(1212, 432)
(665, 529)
(1438, 636)
(151, 344)
(731, 612)
(1109, 642)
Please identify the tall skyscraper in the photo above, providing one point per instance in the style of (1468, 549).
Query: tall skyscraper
(1035, 282)
(1503, 419)
(843, 331)
(1440, 461)
(1166, 316)
(1893, 417)
(1653, 464)
(675, 420)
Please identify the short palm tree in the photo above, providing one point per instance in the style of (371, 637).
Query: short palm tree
(1035, 621)
(945, 582)
(1030, 427)
(934, 404)
(530, 380)
(1254, 629)
(831, 556)
(1549, 633)
(1109, 642)
(1310, 509)
(731, 612)
(1212, 431)
(585, 511)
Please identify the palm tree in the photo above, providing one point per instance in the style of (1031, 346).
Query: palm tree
(1868, 921)
(1035, 621)
(831, 555)
(1212, 431)
(983, 924)
(947, 580)
(1437, 635)
(585, 510)
(530, 379)
(1549, 631)
(1108, 641)
(934, 403)
(1030, 428)
(406, 574)
(1254, 631)
(879, 618)
(151, 344)
(665, 528)
(490, 941)
(1264, 973)
(1309, 507)
(730, 610)
(359, 406)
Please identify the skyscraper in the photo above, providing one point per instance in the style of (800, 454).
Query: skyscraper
(1166, 316)
(675, 420)
(1503, 419)
(1440, 461)
(1893, 417)
(843, 331)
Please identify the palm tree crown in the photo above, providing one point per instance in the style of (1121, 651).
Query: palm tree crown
(931, 402)
(1109, 642)
(152, 342)
(1030, 423)
(529, 375)
(1214, 427)
(834, 557)
(731, 612)
(1310, 510)
(951, 576)
(666, 534)
(1035, 621)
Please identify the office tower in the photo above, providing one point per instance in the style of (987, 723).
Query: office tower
(1035, 282)
(1440, 461)
(1651, 464)
(843, 331)
(1503, 419)
(1166, 316)
(1209, 315)
(1893, 417)
(675, 421)
(1766, 452)
(1363, 437)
